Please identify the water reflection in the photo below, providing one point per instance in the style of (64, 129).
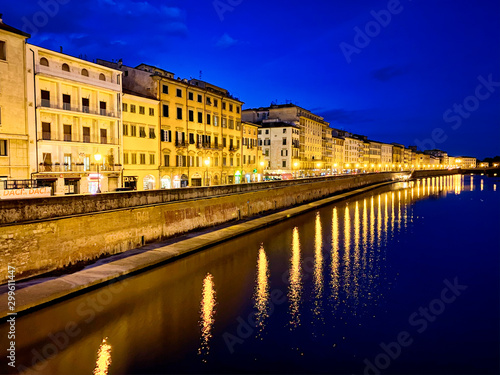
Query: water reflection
(295, 287)
(208, 303)
(261, 296)
(103, 358)
(335, 263)
(318, 265)
(347, 251)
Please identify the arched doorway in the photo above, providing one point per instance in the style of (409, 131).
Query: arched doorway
(166, 183)
(149, 182)
(215, 179)
(184, 181)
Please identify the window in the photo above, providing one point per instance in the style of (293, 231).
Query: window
(132, 108)
(191, 138)
(142, 132)
(125, 129)
(224, 122)
(65, 67)
(165, 110)
(86, 134)
(179, 113)
(237, 109)
(216, 102)
(125, 107)
(178, 93)
(208, 118)
(216, 120)
(223, 105)
(191, 115)
(67, 132)
(47, 159)
(223, 142)
(133, 131)
(43, 61)
(166, 135)
(152, 134)
(216, 141)
(125, 158)
(166, 160)
(165, 89)
(45, 98)
(209, 100)
(151, 111)
(284, 152)
(200, 99)
(283, 163)
(230, 108)
(284, 131)
(200, 118)
(284, 141)
(134, 158)
(85, 72)
(46, 130)
(151, 158)
(104, 136)
(216, 161)
(231, 123)
(102, 77)
(3, 147)
(67, 162)
(190, 96)
(102, 107)
(66, 102)
(142, 110)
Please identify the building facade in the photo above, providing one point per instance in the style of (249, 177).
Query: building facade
(14, 130)
(76, 115)
(141, 144)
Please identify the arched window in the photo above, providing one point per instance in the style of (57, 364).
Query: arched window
(85, 72)
(44, 61)
(65, 67)
(102, 77)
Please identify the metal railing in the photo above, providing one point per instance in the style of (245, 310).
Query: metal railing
(67, 107)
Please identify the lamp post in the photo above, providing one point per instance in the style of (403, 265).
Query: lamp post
(262, 169)
(295, 168)
(207, 163)
(97, 158)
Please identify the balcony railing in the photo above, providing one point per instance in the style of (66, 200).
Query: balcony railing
(233, 148)
(67, 107)
(180, 144)
(77, 167)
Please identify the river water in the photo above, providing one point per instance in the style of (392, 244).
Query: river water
(401, 279)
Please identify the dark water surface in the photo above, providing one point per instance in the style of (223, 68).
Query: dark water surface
(403, 279)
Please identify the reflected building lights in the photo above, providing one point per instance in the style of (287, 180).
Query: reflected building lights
(357, 249)
(335, 265)
(482, 184)
(347, 251)
(318, 265)
(103, 358)
(262, 289)
(207, 312)
(295, 287)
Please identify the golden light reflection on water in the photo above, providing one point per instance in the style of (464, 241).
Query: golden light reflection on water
(318, 265)
(347, 251)
(386, 219)
(357, 250)
(208, 303)
(379, 222)
(103, 358)
(365, 234)
(335, 265)
(262, 289)
(295, 287)
(482, 185)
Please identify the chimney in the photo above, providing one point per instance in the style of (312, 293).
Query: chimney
(60, 49)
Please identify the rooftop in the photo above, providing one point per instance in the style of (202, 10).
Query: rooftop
(11, 29)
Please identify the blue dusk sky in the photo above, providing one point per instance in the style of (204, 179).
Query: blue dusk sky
(412, 71)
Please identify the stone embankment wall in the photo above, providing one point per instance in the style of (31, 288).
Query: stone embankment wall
(41, 235)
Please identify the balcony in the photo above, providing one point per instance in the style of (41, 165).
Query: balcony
(78, 167)
(67, 107)
(181, 144)
(232, 148)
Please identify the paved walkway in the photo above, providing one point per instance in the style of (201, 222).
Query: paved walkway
(38, 295)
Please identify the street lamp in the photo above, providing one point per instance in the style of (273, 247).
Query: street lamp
(97, 158)
(207, 163)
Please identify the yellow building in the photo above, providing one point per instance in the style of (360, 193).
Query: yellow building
(338, 154)
(14, 144)
(252, 153)
(76, 116)
(200, 127)
(141, 142)
(466, 161)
